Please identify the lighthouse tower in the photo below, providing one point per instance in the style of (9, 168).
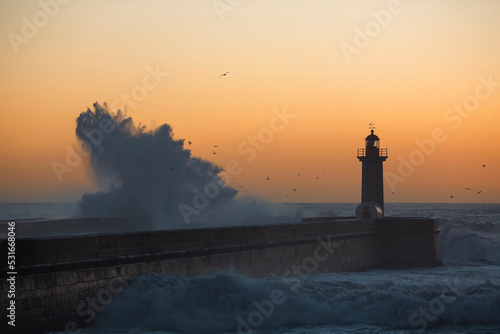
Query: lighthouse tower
(372, 158)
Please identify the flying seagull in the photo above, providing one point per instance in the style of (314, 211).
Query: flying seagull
(189, 143)
(223, 74)
(267, 178)
(467, 188)
(216, 146)
(294, 189)
(479, 192)
(214, 152)
(451, 196)
(484, 165)
(298, 174)
(317, 178)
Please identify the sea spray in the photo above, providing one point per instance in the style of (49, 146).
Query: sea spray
(468, 242)
(148, 173)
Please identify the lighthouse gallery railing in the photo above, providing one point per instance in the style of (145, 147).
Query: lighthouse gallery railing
(382, 152)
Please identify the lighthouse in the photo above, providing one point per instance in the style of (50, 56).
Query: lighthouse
(372, 158)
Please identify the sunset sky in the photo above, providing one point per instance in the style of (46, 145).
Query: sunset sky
(424, 71)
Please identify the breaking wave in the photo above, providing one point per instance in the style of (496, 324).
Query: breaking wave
(150, 174)
(235, 303)
(470, 242)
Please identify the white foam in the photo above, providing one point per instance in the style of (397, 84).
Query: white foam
(212, 304)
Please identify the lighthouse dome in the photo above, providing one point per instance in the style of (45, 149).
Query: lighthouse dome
(372, 137)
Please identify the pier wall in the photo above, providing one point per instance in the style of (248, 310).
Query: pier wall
(62, 282)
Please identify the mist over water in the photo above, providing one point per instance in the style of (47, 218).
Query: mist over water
(148, 173)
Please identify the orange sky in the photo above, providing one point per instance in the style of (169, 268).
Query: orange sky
(420, 59)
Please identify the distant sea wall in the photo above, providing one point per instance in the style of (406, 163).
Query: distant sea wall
(62, 282)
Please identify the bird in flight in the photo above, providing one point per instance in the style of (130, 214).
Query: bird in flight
(298, 174)
(214, 152)
(480, 191)
(172, 168)
(223, 74)
(215, 146)
(451, 196)
(467, 188)
(484, 165)
(294, 189)
(317, 178)
(189, 143)
(267, 178)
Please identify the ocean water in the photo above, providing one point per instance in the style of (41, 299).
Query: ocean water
(18, 211)
(463, 296)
